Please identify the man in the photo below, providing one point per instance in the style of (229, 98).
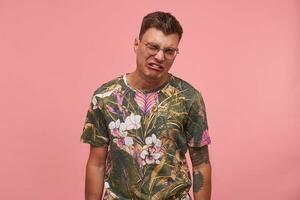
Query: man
(141, 124)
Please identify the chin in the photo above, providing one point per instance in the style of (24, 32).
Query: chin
(154, 76)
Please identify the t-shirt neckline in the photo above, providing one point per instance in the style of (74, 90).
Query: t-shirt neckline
(165, 84)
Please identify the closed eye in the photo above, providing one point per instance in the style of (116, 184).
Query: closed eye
(153, 47)
(170, 51)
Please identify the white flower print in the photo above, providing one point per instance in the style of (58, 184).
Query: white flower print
(150, 158)
(112, 125)
(128, 141)
(153, 141)
(106, 185)
(151, 151)
(95, 102)
(133, 122)
(118, 130)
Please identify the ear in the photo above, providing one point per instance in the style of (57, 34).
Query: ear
(136, 44)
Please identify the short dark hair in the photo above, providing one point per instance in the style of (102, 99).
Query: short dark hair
(162, 21)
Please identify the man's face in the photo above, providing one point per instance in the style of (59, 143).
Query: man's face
(154, 67)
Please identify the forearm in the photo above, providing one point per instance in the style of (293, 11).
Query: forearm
(94, 182)
(202, 182)
(201, 172)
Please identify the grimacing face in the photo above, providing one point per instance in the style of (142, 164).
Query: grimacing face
(154, 67)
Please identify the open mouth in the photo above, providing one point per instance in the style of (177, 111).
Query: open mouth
(156, 66)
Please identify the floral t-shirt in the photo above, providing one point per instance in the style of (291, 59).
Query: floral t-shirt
(147, 135)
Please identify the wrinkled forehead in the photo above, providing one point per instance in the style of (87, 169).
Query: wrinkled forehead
(153, 35)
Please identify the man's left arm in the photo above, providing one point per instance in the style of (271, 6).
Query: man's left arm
(201, 172)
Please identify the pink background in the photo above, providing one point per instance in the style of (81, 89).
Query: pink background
(242, 55)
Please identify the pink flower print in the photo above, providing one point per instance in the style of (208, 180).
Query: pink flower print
(205, 138)
(119, 100)
(111, 109)
(133, 122)
(119, 141)
(123, 141)
(146, 101)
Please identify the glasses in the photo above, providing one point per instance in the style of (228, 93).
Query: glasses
(169, 52)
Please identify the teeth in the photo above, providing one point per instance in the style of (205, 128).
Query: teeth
(155, 65)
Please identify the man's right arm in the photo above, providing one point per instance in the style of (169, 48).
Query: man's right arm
(95, 173)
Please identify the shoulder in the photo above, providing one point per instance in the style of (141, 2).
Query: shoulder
(185, 87)
(186, 91)
(107, 88)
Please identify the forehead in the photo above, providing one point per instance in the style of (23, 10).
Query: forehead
(157, 36)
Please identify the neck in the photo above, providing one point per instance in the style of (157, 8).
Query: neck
(144, 84)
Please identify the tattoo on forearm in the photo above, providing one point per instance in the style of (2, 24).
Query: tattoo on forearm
(197, 181)
(199, 155)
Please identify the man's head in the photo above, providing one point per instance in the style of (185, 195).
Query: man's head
(157, 45)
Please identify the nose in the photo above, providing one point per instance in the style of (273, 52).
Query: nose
(159, 55)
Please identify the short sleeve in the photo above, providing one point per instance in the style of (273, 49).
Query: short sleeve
(95, 131)
(196, 127)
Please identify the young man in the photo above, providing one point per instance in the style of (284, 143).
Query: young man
(141, 124)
